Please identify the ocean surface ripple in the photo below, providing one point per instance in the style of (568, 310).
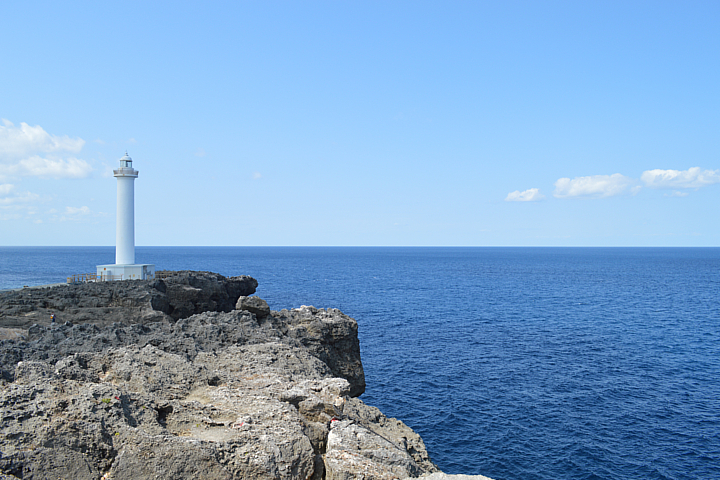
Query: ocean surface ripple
(515, 363)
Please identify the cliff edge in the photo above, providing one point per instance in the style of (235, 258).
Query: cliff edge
(183, 386)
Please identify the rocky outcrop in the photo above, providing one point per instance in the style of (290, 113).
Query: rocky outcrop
(180, 295)
(190, 292)
(218, 395)
(329, 335)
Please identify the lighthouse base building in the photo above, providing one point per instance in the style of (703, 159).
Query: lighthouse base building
(141, 271)
(125, 267)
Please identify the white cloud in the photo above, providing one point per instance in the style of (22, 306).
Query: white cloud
(77, 211)
(55, 167)
(594, 186)
(257, 176)
(200, 152)
(531, 195)
(75, 214)
(31, 151)
(690, 178)
(676, 194)
(8, 197)
(26, 140)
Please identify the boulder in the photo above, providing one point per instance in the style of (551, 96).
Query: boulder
(191, 292)
(255, 305)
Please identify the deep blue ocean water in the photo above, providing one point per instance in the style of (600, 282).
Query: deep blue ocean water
(515, 363)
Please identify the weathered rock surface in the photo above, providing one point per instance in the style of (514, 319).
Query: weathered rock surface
(182, 294)
(216, 395)
(354, 451)
(255, 305)
(329, 336)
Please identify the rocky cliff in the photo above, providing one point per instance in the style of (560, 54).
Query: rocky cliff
(196, 380)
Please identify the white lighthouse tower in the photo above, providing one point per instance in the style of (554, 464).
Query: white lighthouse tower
(125, 267)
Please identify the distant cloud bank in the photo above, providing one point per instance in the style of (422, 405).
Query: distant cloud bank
(597, 186)
(530, 195)
(602, 186)
(691, 178)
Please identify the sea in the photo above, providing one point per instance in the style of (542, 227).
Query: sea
(514, 363)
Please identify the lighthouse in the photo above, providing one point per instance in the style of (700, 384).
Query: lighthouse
(125, 227)
(125, 267)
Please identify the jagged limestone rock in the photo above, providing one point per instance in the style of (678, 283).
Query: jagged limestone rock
(180, 295)
(217, 395)
(354, 451)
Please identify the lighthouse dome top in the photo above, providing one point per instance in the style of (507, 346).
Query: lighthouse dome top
(126, 168)
(126, 161)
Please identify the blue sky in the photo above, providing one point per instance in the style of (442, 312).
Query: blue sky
(362, 123)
